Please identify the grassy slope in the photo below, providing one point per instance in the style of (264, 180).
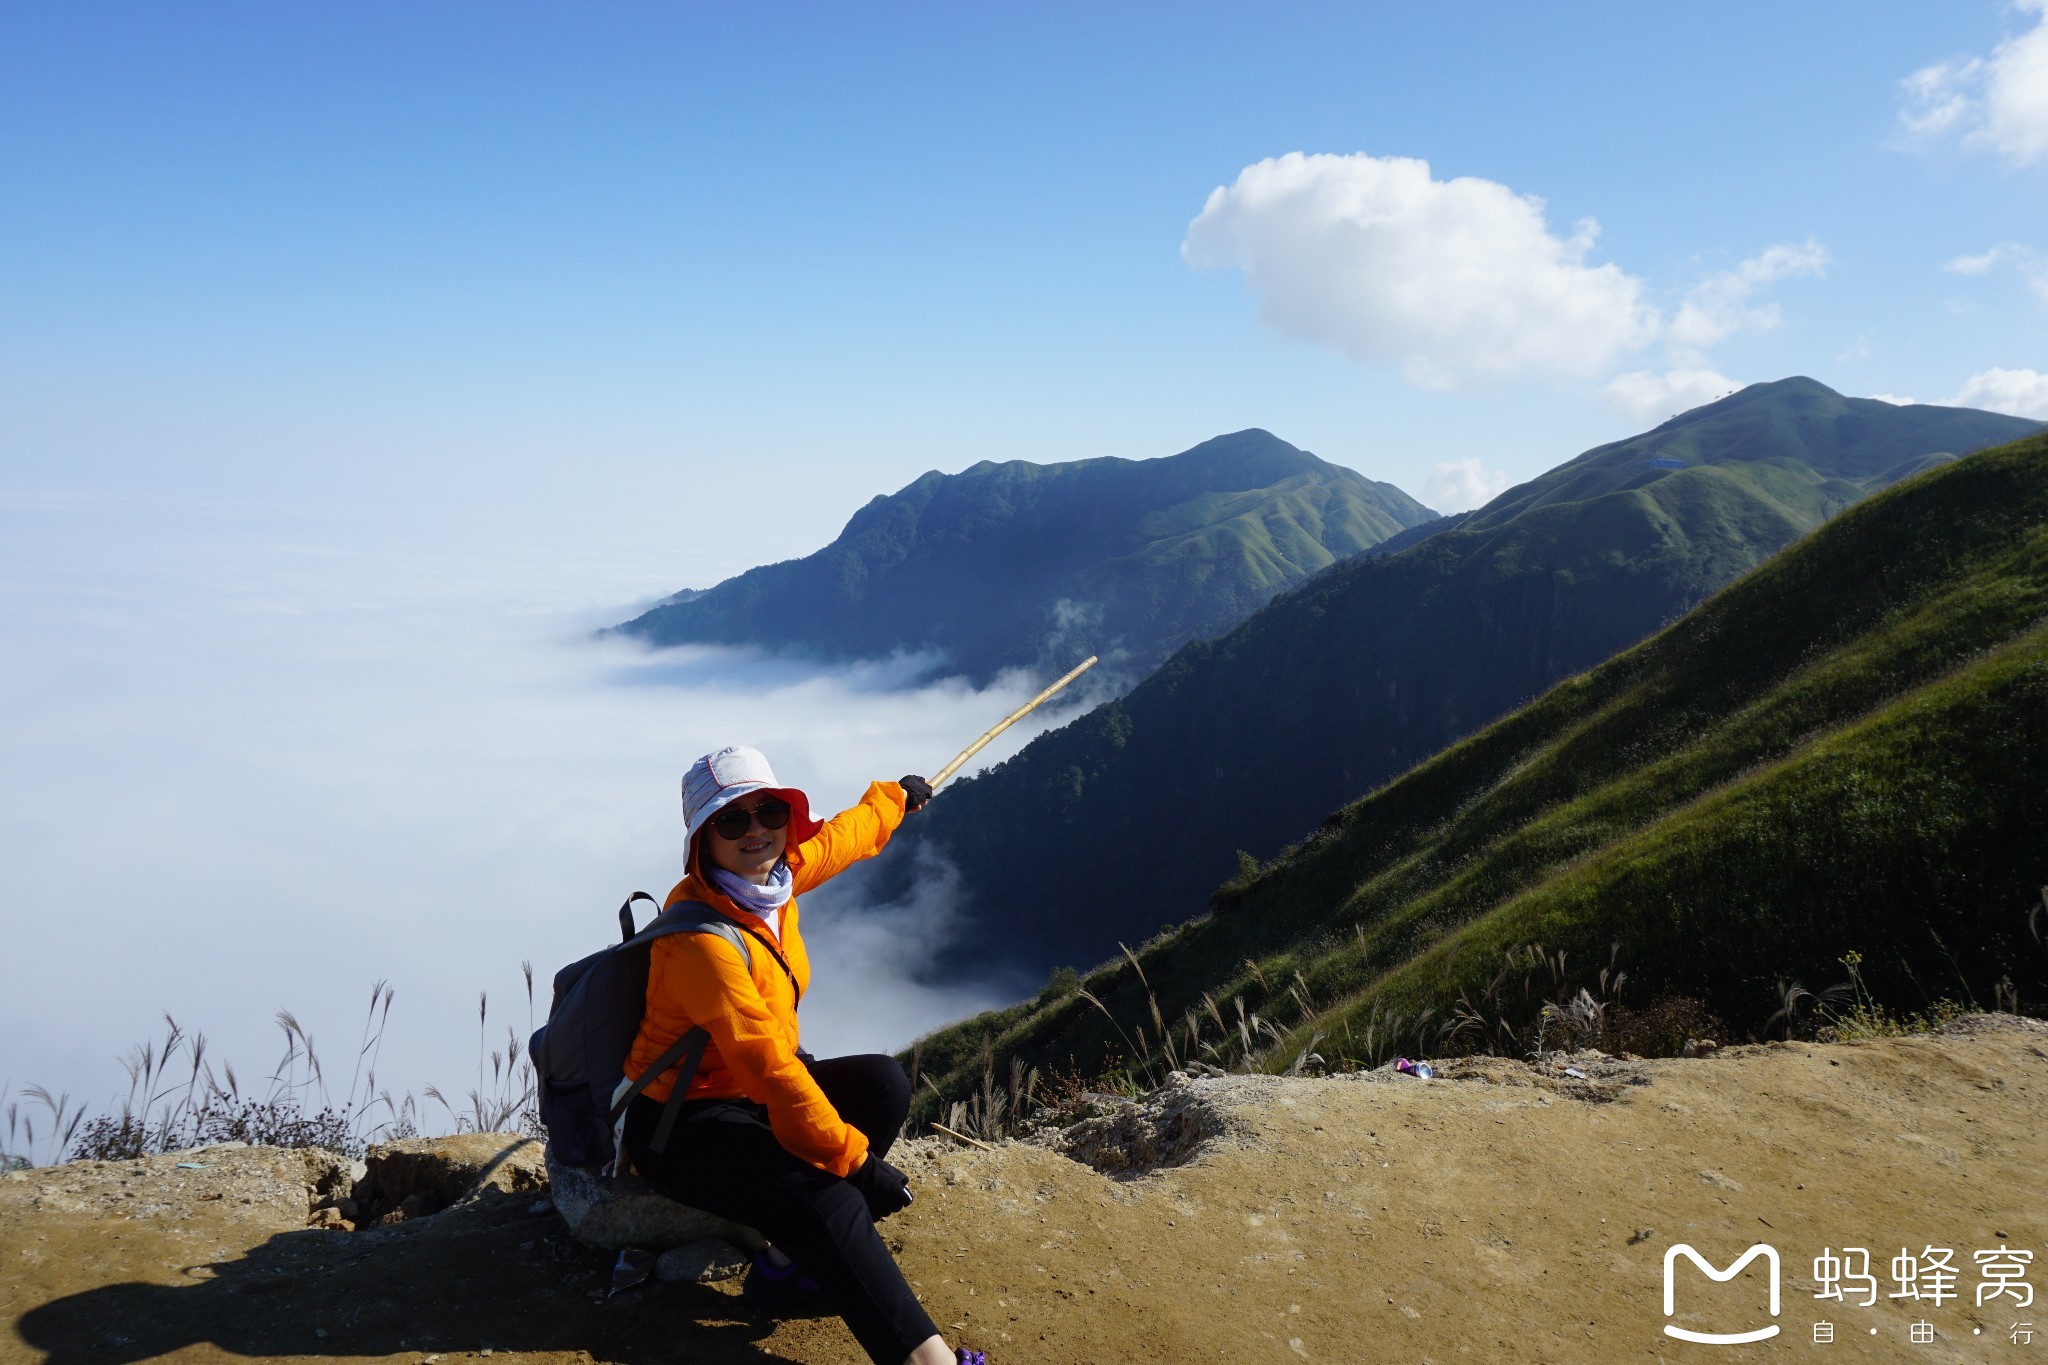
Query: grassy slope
(1144, 555)
(1847, 749)
(1381, 661)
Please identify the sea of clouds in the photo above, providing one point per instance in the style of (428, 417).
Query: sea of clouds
(258, 761)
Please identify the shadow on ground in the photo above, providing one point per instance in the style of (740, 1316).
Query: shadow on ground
(493, 1276)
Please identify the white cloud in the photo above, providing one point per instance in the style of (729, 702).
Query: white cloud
(1713, 310)
(2032, 268)
(1456, 281)
(1449, 280)
(1941, 98)
(1896, 400)
(1981, 263)
(1720, 305)
(2021, 393)
(2016, 98)
(252, 767)
(1459, 485)
(1998, 103)
(1649, 397)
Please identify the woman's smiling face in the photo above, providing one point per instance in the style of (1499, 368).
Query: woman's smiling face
(754, 853)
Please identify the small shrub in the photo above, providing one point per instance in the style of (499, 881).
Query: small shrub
(276, 1123)
(119, 1137)
(994, 1112)
(1230, 895)
(1864, 1017)
(1063, 982)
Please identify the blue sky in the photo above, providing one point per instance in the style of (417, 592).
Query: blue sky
(356, 361)
(623, 263)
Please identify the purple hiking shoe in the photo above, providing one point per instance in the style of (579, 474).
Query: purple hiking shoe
(790, 1276)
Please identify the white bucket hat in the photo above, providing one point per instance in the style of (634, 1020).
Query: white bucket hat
(718, 779)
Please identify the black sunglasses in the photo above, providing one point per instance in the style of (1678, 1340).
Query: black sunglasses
(734, 822)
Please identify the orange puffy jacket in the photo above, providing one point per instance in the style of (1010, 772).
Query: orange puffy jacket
(751, 1015)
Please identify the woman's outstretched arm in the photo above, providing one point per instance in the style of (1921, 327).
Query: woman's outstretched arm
(858, 832)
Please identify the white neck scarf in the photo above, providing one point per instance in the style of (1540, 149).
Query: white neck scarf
(765, 901)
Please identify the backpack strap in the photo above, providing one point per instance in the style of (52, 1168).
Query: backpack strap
(693, 1044)
(685, 1051)
(626, 914)
(695, 917)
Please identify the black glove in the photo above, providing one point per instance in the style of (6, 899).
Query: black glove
(916, 791)
(886, 1189)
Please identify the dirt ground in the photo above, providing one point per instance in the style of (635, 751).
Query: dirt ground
(1500, 1213)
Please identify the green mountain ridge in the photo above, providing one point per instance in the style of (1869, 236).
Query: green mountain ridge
(1244, 741)
(1035, 566)
(1851, 446)
(1843, 757)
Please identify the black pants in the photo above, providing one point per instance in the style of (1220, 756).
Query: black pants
(723, 1158)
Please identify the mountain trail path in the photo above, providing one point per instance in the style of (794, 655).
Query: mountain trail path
(1502, 1212)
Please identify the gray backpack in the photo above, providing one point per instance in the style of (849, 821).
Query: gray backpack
(579, 1055)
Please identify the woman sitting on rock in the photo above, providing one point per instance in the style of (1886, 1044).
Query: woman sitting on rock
(767, 1135)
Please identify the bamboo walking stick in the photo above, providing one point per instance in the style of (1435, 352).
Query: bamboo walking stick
(1026, 709)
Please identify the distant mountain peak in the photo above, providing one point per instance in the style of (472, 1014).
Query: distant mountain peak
(1015, 564)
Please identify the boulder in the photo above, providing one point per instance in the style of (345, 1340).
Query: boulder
(422, 1176)
(625, 1211)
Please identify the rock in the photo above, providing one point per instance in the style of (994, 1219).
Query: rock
(418, 1204)
(331, 1218)
(625, 1211)
(331, 1175)
(1700, 1047)
(704, 1262)
(1169, 1127)
(346, 1207)
(422, 1176)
